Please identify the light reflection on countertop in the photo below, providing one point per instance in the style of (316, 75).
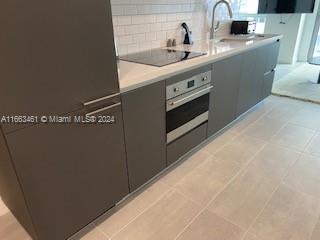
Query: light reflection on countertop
(133, 75)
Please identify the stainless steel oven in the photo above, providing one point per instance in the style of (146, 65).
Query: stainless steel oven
(187, 105)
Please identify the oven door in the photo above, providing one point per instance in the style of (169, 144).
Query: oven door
(187, 112)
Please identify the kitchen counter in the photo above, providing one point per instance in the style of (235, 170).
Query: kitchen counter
(133, 75)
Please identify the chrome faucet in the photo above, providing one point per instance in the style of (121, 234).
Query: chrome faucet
(215, 28)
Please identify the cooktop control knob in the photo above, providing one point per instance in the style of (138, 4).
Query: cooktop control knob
(204, 78)
(176, 89)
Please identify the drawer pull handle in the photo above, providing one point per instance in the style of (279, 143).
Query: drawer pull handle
(103, 109)
(101, 99)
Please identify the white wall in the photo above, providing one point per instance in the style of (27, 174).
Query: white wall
(306, 36)
(297, 34)
(291, 31)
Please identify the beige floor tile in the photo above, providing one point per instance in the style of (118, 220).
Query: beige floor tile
(209, 226)
(89, 233)
(250, 236)
(273, 161)
(314, 145)
(316, 232)
(3, 208)
(265, 128)
(10, 229)
(304, 175)
(202, 184)
(242, 148)
(284, 113)
(172, 177)
(293, 136)
(219, 141)
(165, 220)
(288, 215)
(307, 118)
(249, 118)
(118, 217)
(244, 199)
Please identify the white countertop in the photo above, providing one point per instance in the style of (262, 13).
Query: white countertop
(134, 75)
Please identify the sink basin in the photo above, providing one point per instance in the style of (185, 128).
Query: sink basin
(240, 38)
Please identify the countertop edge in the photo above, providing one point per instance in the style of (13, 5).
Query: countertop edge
(200, 63)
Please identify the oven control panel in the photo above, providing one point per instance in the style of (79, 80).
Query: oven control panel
(188, 85)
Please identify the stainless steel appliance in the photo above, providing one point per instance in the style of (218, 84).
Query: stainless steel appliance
(160, 57)
(187, 105)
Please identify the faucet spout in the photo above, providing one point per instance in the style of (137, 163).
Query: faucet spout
(215, 28)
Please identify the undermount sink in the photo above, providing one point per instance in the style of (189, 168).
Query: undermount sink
(239, 39)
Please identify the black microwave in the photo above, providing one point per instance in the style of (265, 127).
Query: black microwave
(243, 27)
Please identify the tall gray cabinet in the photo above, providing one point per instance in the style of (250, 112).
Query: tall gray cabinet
(58, 59)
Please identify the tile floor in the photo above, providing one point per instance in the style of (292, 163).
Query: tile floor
(258, 180)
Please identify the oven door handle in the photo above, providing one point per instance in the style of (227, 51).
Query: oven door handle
(190, 96)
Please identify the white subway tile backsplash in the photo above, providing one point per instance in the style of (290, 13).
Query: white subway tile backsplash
(133, 48)
(151, 36)
(161, 35)
(137, 38)
(125, 40)
(144, 24)
(155, 27)
(124, 20)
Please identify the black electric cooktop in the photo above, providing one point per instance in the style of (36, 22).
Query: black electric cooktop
(160, 57)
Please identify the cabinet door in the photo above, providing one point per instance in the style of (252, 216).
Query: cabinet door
(247, 88)
(267, 84)
(144, 120)
(223, 99)
(272, 51)
(70, 173)
(55, 55)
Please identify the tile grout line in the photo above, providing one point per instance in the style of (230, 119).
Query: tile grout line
(103, 233)
(133, 219)
(271, 196)
(218, 193)
(305, 150)
(172, 188)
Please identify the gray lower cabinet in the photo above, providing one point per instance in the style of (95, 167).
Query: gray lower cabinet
(145, 132)
(267, 84)
(252, 72)
(70, 174)
(272, 53)
(256, 64)
(224, 97)
(181, 146)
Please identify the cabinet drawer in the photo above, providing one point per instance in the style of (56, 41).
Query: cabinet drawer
(184, 144)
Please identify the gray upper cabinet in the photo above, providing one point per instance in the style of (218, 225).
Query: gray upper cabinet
(223, 99)
(55, 55)
(145, 132)
(70, 174)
